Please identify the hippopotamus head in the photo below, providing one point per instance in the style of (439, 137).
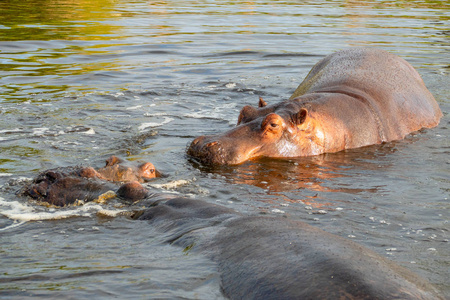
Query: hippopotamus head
(286, 129)
(118, 170)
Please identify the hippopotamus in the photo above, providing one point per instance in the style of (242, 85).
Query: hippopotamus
(352, 98)
(265, 257)
(69, 185)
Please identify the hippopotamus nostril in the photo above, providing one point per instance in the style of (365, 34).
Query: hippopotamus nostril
(212, 144)
(195, 142)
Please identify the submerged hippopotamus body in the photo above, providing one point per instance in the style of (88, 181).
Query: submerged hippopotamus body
(261, 257)
(69, 185)
(352, 98)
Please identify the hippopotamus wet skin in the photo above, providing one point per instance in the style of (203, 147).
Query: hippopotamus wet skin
(261, 257)
(352, 98)
(65, 186)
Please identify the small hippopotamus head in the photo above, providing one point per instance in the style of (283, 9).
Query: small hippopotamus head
(286, 129)
(118, 170)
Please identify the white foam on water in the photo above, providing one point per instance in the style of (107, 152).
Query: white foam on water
(220, 112)
(23, 212)
(134, 107)
(155, 124)
(159, 114)
(111, 212)
(201, 114)
(40, 131)
(19, 132)
(11, 130)
(90, 131)
(230, 85)
(13, 225)
(170, 185)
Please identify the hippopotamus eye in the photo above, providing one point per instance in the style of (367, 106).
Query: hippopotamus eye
(272, 122)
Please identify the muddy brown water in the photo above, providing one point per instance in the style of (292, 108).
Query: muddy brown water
(141, 79)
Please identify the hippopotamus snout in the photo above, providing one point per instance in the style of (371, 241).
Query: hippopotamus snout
(222, 150)
(207, 150)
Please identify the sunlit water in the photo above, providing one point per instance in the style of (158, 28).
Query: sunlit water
(141, 79)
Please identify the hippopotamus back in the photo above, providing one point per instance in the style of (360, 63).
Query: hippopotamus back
(388, 85)
(277, 258)
(265, 257)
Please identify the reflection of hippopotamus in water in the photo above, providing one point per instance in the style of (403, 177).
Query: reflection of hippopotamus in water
(63, 186)
(352, 98)
(262, 257)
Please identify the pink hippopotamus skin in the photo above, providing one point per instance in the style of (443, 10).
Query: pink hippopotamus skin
(352, 98)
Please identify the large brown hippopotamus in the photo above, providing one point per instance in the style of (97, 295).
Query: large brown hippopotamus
(262, 257)
(352, 98)
(69, 185)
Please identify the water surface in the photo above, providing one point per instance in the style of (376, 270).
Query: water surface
(81, 81)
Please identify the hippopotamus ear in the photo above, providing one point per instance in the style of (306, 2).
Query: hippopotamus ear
(261, 103)
(112, 161)
(247, 114)
(300, 117)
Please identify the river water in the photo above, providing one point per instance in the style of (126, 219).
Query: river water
(83, 80)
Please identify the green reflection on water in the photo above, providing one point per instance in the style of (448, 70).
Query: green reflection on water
(21, 151)
(13, 156)
(37, 68)
(54, 55)
(5, 162)
(400, 4)
(93, 20)
(53, 20)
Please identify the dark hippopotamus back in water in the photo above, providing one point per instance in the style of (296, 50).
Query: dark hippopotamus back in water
(262, 257)
(352, 98)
